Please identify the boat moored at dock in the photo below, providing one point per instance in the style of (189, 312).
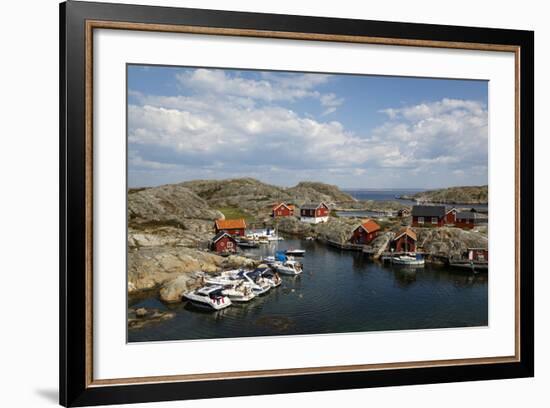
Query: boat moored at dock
(408, 260)
(208, 297)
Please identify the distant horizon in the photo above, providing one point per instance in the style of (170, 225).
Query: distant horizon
(282, 127)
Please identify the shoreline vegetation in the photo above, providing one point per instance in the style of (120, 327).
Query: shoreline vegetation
(170, 226)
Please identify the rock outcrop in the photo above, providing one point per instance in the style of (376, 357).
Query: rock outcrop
(308, 191)
(454, 195)
(169, 205)
(449, 242)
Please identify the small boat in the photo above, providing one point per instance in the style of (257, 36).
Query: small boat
(288, 267)
(209, 297)
(248, 243)
(225, 278)
(272, 277)
(257, 283)
(240, 293)
(295, 252)
(408, 260)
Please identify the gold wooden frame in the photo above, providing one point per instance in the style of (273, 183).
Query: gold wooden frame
(116, 25)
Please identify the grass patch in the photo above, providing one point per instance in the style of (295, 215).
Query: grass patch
(232, 213)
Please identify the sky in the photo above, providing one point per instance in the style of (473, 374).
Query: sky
(354, 131)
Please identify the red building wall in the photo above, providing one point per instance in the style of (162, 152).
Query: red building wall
(225, 244)
(322, 211)
(361, 237)
(319, 212)
(282, 211)
(479, 254)
(239, 232)
(428, 222)
(465, 223)
(405, 243)
(450, 217)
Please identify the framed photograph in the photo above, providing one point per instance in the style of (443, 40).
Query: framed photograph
(256, 204)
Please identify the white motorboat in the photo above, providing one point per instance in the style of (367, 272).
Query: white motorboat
(295, 252)
(225, 278)
(240, 293)
(288, 267)
(257, 283)
(272, 277)
(209, 297)
(408, 260)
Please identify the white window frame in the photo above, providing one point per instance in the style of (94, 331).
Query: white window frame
(434, 220)
(421, 220)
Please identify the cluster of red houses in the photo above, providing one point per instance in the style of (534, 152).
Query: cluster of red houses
(311, 213)
(364, 234)
(439, 216)
(404, 241)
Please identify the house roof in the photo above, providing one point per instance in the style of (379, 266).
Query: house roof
(370, 226)
(405, 231)
(312, 206)
(428, 211)
(289, 206)
(469, 215)
(231, 224)
(220, 235)
(449, 209)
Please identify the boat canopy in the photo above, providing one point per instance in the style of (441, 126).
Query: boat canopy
(280, 256)
(209, 290)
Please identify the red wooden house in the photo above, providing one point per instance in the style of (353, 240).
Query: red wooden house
(282, 210)
(450, 216)
(365, 233)
(470, 219)
(404, 241)
(314, 213)
(478, 254)
(232, 227)
(428, 215)
(223, 243)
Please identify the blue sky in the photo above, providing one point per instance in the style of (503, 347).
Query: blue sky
(354, 131)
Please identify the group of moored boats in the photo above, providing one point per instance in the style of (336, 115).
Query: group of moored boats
(256, 237)
(240, 285)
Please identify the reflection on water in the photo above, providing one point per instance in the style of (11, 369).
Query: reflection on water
(339, 291)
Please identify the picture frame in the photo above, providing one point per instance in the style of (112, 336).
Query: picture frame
(78, 20)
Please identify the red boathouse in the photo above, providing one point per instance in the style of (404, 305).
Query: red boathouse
(232, 227)
(405, 240)
(223, 243)
(365, 233)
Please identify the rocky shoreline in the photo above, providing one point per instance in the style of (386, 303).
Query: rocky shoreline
(169, 228)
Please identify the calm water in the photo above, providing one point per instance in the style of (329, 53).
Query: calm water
(338, 291)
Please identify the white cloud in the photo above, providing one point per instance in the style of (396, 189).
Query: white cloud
(238, 126)
(270, 88)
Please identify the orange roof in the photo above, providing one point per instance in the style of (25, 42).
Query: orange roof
(289, 206)
(278, 205)
(370, 226)
(230, 224)
(406, 231)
